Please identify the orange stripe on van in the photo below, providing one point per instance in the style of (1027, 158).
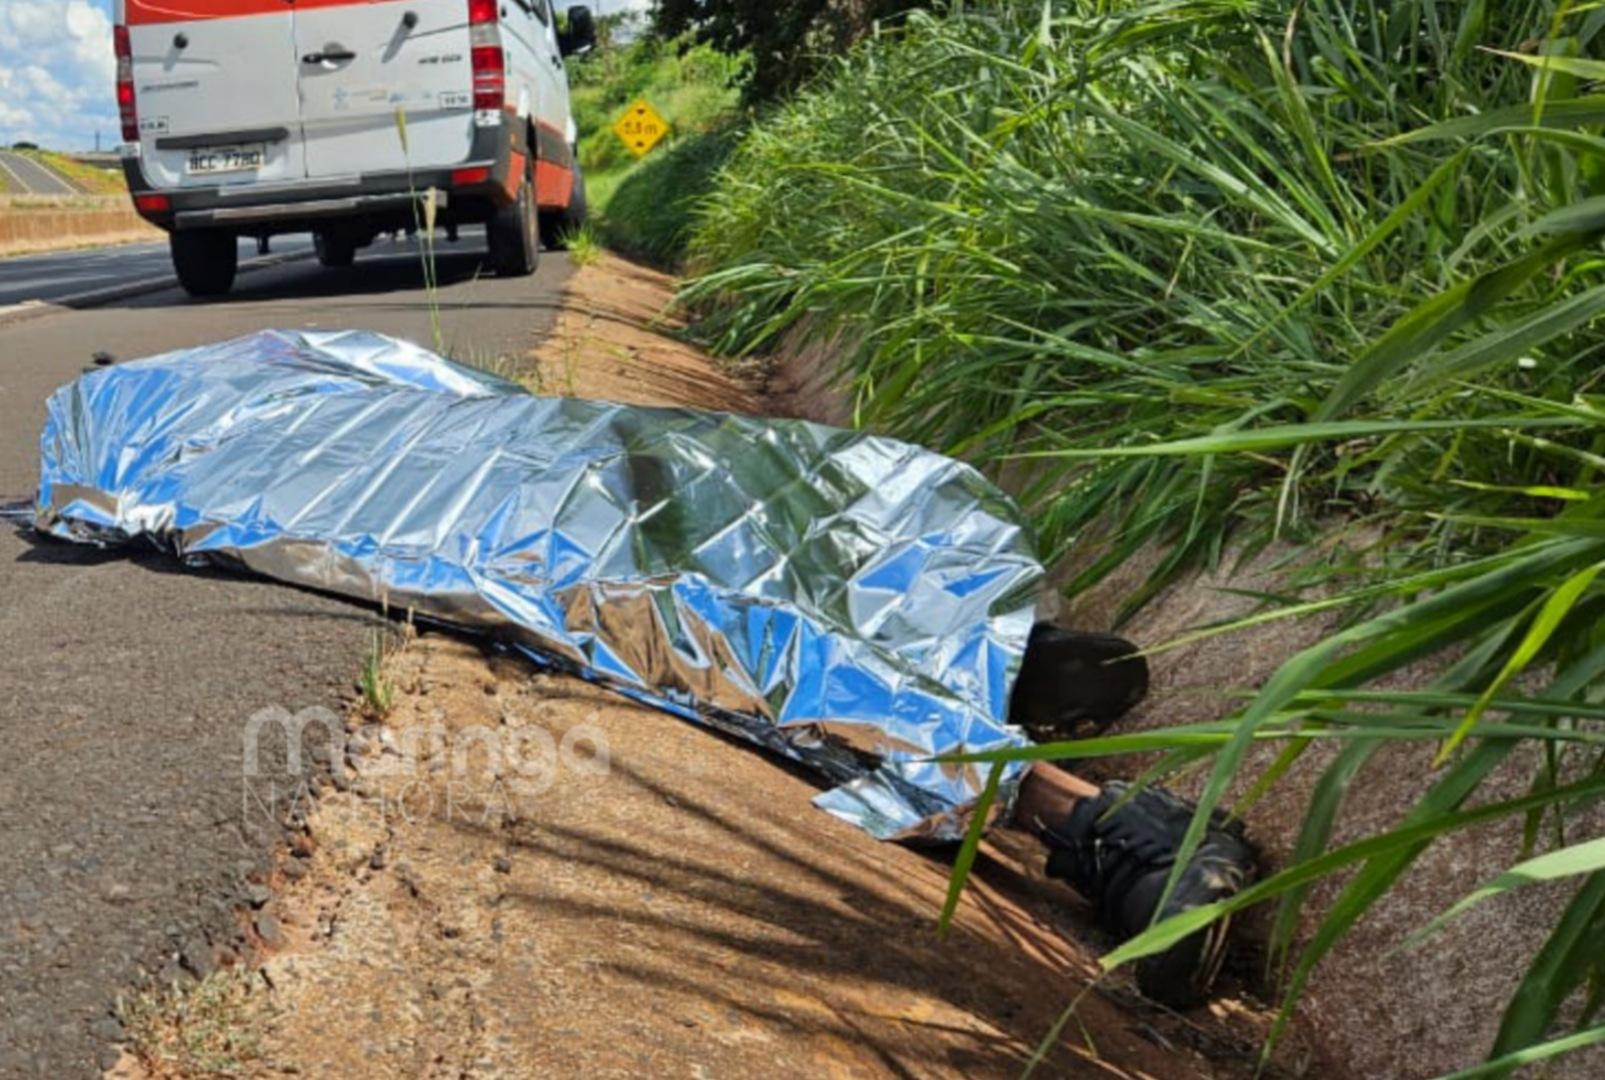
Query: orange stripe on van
(145, 12)
(554, 185)
(515, 174)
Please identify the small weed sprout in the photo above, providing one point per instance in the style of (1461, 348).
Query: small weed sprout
(424, 224)
(378, 692)
(495, 363)
(584, 248)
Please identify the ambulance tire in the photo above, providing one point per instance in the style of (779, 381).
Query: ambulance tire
(557, 225)
(514, 232)
(205, 260)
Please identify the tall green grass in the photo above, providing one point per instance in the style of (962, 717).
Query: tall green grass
(1201, 272)
(1099, 230)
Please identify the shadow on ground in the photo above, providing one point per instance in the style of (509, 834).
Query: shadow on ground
(683, 908)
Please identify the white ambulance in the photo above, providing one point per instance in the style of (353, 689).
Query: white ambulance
(346, 118)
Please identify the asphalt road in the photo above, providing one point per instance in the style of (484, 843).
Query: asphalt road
(127, 828)
(64, 276)
(28, 177)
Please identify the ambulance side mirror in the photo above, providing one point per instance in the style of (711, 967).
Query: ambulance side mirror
(581, 33)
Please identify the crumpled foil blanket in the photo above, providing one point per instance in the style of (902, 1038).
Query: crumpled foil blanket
(852, 602)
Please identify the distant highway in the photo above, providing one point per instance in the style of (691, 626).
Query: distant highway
(28, 177)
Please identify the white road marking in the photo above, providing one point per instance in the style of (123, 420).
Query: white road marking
(54, 183)
(14, 175)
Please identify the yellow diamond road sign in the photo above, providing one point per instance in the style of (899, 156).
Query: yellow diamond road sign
(641, 127)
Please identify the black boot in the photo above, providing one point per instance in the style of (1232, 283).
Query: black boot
(1120, 862)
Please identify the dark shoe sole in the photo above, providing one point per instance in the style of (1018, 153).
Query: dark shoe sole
(1073, 683)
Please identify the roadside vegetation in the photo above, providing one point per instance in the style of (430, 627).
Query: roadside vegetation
(643, 207)
(34, 223)
(206, 1029)
(1198, 274)
(378, 692)
(584, 249)
(89, 179)
(788, 44)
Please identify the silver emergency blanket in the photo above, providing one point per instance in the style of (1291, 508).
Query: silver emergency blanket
(852, 602)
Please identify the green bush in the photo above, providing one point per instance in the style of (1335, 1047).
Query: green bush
(1186, 271)
(790, 41)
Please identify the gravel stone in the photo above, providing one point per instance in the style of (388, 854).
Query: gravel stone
(108, 1029)
(269, 930)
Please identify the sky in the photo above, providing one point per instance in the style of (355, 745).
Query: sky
(57, 72)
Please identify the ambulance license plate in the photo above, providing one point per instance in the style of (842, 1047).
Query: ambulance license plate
(222, 159)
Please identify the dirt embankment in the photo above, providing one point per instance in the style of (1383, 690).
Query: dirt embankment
(36, 223)
(516, 874)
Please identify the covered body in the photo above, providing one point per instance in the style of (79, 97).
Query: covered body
(855, 603)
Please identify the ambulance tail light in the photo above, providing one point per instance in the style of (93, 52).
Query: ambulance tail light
(490, 77)
(485, 53)
(125, 84)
